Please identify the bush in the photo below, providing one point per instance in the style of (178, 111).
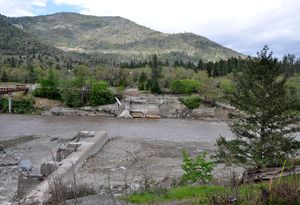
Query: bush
(100, 93)
(226, 86)
(49, 86)
(284, 194)
(197, 169)
(185, 86)
(71, 98)
(44, 92)
(191, 102)
(20, 104)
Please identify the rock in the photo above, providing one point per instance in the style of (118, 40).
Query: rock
(53, 139)
(2, 149)
(8, 160)
(108, 109)
(204, 113)
(25, 166)
(87, 108)
(171, 109)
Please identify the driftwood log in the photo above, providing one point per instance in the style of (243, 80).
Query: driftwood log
(259, 175)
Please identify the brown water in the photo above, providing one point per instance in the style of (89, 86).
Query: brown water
(163, 129)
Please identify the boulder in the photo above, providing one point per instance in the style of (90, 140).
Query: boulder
(172, 109)
(204, 112)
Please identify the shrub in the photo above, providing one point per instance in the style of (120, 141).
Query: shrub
(226, 86)
(197, 169)
(185, 86)
(191, 102)
(284, 194)
(49, 86)
(20, 104)
(71, 98)
(100, 93)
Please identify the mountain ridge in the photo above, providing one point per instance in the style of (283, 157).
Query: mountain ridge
(118, 37)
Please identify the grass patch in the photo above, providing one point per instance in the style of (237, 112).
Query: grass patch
(178, 193)
(248, 194)
(17, 141)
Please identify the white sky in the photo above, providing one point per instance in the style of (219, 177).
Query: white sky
(243, 25)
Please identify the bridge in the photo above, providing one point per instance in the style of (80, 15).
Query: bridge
(9, 90)
(18, 88)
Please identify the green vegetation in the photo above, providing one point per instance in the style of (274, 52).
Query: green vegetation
(178, 193)
(262, 126)
(275, 192)
(23, 104)
(22, 49)
(196, 170)
(191, 102)
(100, 93)
(70, 95)
(153, 85)
(185, 86)
(49, 86)
(227, 86)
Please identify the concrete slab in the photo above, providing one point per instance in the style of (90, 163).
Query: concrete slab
(89, 146)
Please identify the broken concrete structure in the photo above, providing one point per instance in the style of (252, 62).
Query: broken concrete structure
(48, 167)
(63, 153)
(69, 165)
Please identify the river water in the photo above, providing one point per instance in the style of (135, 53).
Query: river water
(162, 129)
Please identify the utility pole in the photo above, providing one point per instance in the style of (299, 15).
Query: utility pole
(9, 103)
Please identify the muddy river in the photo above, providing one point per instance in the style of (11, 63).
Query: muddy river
(162, 129)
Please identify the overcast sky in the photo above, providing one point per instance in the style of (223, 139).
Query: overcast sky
(243, 25)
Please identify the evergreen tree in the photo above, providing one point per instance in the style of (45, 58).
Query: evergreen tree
(32, 76)
(155, 75)
(4, 77)
(142, 81)
(209, 68)
(200, 65)
(262, 123)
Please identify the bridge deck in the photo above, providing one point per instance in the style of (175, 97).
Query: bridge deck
(15, 89)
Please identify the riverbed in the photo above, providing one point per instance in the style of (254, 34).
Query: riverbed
(67, 126)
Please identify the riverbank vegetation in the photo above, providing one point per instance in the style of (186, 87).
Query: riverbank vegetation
(210, 80)
(22, 104)
(278, 191)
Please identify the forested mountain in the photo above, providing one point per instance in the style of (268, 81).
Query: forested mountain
(118, 38)
(19, 47)
(14, 41)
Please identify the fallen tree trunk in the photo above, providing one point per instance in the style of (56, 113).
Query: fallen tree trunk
(266, 174)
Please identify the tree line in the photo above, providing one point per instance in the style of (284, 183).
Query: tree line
(289, 63)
